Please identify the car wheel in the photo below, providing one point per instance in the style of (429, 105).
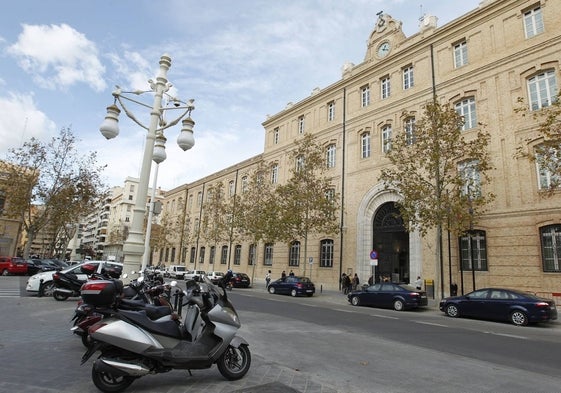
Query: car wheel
(271, 289)
(48, 288)
(519, 318)
(5, 272)
(293, 293)
(398, 305)
(452, 311)
(355, 301)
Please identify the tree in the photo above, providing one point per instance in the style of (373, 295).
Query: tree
(547, 154)
(216, 219)
(66, 185)
(439, 173)
(308, 202)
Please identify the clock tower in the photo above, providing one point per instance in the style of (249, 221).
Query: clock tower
(385, 37)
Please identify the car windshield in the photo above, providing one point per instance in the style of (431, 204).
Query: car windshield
(180, 268)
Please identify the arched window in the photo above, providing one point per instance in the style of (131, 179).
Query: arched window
(237, 254)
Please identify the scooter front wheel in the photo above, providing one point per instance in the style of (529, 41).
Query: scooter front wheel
(109, 383)
(234, 362)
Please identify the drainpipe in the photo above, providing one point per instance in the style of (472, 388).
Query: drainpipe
(342, 222)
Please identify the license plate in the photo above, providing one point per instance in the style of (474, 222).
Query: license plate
(308, 290)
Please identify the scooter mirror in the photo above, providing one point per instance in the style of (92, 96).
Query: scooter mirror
(173, 283)
(124, 275)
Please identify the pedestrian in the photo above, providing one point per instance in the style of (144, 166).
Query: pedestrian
(268, 279)
(283, 275)
(347, 284)
(418, 282)
(371, 280)
(355, 282)
(291, 274)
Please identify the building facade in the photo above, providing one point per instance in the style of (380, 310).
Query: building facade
(486, 64)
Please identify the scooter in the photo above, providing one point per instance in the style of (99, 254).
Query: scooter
(69, 285)
(132, 345)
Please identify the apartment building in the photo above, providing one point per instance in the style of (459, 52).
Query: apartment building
(481, 63)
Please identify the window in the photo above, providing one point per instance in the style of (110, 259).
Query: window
(385, 87)
(276, 135)
(192, 256)
(294, 254)
(473, 251)
(301, 125)
(245, 184)
(299, 163)
(330, 156)
(331, 111)
(471, 178)
(551, 248)
(274, 173)
(533, 22)
(231, 188)
(460, 54)
(326, 253)
(202, 255)
(408, 77)
(130, 197)
(252, 254)
(409, 128)
(172, 255)
(386, 138)
(542, 90)
(548, 165)
(224, 255)
(365, 96)
(237, 254)
(199, 198)
(330, 194)
(466, 109)
(365, 145)
(190, 201)
(268, 254)
(212, 255)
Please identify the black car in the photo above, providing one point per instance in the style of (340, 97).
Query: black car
(35, 266)
(240, 280)
(389, 295)
(501, 304)
(293, 285)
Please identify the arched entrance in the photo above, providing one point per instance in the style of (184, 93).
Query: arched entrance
(391, 241)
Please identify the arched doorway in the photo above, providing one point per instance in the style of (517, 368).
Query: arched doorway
(391, 241)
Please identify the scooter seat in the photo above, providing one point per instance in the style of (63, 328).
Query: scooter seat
(163, 326)
(153, 312)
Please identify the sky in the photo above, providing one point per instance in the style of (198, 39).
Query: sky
(240, 61)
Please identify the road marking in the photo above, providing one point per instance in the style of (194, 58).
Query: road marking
(383, 316)
(431, 324)
(9, 293)
(507, 335)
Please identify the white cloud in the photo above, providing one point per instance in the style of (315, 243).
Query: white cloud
(58, 56)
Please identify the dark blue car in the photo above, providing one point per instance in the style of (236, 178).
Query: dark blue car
(389, 295)
(500, 304)
(293, 285)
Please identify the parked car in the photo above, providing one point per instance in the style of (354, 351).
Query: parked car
(501, 304)
(293, 285)
(35, 266)
(191, 274)
(389, 295)
(240, 280)
(12, 265)
(215, 277)
(34, 281)
(176, 271)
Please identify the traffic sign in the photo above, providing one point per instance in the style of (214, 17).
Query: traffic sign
(373, 254)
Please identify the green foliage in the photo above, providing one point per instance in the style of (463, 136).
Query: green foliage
(425, 172)
(51, 184)
(547, 153)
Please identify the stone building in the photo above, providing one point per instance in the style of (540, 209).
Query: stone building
(481, 63)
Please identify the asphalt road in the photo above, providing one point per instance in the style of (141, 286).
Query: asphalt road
(319, 344)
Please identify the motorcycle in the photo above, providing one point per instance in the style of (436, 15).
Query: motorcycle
(132, 345)
(68, 284)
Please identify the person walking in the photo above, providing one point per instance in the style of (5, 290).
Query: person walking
(355, 282)
(418, 282)
(267, 279)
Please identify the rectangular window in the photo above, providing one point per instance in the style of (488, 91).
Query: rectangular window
(408, 77)
(460, 54)
(224, 255)
(275, 174)
(202, 255)
(466, 109)
(533, 22)
(386, 138)
(542, 90)
(365, 96)
(471, 178)
(330, 156)
(238, 255)
(268, 254)
(276, 136)
(192, 255)
(331, 111)
(365, 145)
(199, 199)
(548, 166)
(294, 254)
(326, 253)
(252, 254)
(409, 126)
(473, 251)
(212, 255)
(301, 125)
(551, 248)
(385, 87)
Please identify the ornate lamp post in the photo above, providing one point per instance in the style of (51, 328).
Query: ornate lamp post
(134, 246)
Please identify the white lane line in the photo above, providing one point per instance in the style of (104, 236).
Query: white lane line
(431, 324)
(507, 335)
(383, 316)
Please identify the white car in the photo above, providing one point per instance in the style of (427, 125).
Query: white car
(215, 277)
(191, 274)
(34, 281)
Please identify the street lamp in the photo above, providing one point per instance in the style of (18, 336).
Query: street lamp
(134, 246)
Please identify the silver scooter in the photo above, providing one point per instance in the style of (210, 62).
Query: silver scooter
(133, 345)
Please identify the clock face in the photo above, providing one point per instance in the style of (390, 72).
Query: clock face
(384, 49)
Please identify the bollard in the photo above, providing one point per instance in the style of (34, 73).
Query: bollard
(321, 288)
(40, 294)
